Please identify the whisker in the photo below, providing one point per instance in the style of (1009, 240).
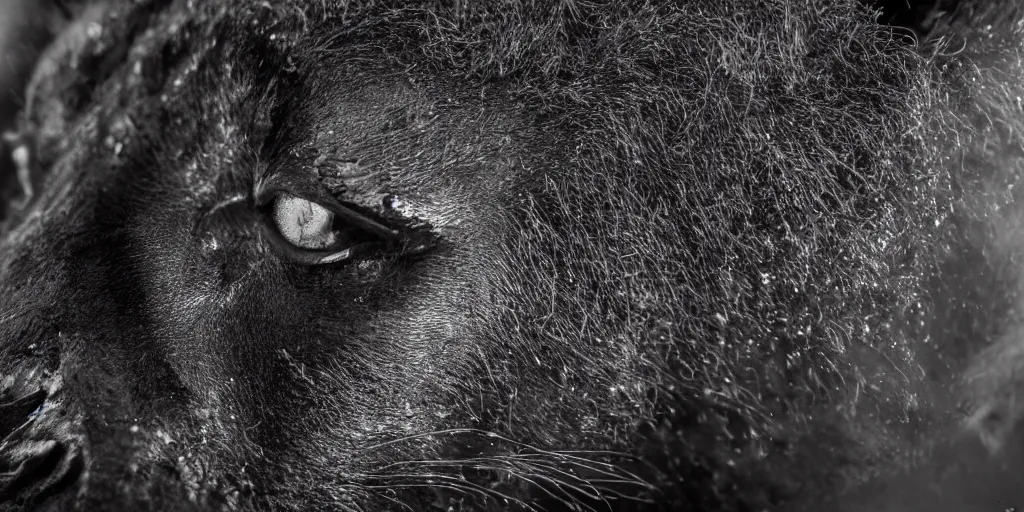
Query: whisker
(584, 482)
(511, 460)
(549, 490)
(558, 483)
(393, 500)
(576, 478)
(615, 473)
(438, 481)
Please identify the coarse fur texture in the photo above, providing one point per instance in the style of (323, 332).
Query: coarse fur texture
(670, 255)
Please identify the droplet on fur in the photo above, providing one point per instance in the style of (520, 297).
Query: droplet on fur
(393, 202)
(94, 30)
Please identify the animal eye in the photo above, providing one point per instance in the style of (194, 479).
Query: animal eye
(324, 231)
(303, 223)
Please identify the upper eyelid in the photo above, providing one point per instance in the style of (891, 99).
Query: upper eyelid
(266, 191)
(358, 220)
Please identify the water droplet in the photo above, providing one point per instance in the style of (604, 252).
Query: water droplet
(393, 202)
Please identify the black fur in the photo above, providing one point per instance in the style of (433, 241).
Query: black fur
(674, 256)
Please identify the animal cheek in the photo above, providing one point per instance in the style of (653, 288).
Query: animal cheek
(230, 245)
(229, 259)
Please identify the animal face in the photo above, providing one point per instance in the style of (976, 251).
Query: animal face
(378, 255)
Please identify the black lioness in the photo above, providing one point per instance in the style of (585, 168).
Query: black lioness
(565, 255)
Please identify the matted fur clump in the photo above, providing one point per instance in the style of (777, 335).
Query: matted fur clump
(727, 255)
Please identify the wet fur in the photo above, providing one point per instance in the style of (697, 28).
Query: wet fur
(716, 257)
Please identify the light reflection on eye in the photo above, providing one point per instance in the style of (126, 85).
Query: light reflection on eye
(303, 223)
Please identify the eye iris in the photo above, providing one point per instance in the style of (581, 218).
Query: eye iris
(304, 223)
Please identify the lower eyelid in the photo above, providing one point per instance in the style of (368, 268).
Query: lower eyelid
(338, 256)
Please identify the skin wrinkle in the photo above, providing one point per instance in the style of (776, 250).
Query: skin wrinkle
(732, 256)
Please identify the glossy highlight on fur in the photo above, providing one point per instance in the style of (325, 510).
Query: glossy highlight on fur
(664, 255)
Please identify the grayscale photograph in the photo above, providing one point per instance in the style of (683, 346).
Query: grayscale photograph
(512, 255)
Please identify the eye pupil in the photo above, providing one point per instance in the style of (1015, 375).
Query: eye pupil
(304, 223)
